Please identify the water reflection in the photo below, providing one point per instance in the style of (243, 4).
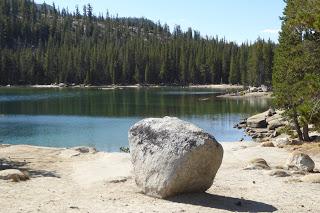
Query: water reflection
(124, 103)
(101, 118)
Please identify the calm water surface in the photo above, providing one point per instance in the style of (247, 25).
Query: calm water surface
(101, 118)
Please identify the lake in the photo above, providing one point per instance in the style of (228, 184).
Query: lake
(101, 118)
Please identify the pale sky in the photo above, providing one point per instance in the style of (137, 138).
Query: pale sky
(236, 20)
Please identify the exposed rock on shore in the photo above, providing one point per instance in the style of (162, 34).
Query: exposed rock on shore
(171, 156)
(262, 91)
(264, 126)
(257, 121)
(300, 161)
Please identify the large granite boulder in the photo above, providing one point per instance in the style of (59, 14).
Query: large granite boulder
(171, 156)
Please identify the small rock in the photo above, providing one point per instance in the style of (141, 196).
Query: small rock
(84, 150)
(257, 164)
(267, 144)
(279, 173)
(300, 161)
(243, 122)
(74, 207)
(301, 173)
(14, 175)
(312, 178)
(62, 85)
(296, 142)
(283, 141)
(279, 167)
(119, 180)
(271, 112)
(275, 134)
(253, 89)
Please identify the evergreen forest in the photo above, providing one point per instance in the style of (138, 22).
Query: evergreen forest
(41, 44)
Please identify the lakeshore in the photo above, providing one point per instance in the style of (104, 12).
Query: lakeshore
(247, 95)
(66, 180)
(62, 85)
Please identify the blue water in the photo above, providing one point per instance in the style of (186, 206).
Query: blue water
(102, 118)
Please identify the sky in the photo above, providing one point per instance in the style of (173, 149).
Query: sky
(236, 20)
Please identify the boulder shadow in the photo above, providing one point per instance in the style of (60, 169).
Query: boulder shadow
(223, 203)
(23, 166)
(42, 173)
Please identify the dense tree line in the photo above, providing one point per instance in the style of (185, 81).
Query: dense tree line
(41, 44)
(296, 77)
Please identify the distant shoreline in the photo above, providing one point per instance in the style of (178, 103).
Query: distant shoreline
(106, 87)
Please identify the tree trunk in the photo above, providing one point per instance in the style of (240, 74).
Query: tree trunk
(297, 125)
(306, 136)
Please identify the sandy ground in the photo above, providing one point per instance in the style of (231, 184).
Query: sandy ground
(65, 181)
(248, 95)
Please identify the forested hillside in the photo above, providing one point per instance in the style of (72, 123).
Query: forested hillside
(41, 45)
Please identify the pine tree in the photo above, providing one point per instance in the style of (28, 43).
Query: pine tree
(296, 77)
(146, 74)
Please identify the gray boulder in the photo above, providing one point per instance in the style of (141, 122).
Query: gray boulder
(282, 141)
(257, 121)
(171, 156)
(276, 116)
(275, 121)
(274, 124)
(300, 161)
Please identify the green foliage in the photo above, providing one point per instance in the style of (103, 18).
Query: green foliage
(296, 77)
(124, 149)
(288, 130)
(40, 44)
